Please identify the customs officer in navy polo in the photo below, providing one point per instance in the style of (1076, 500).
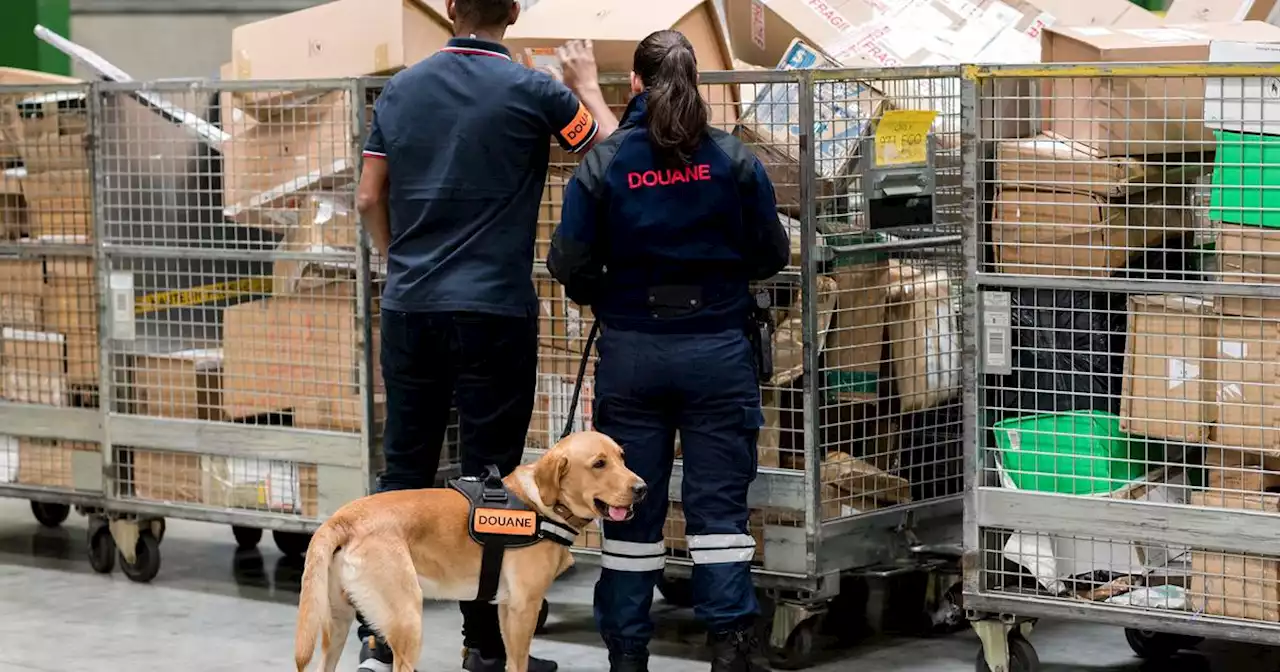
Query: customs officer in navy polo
(664, 226)
(452, 179)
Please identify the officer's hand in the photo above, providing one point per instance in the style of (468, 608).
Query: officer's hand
(578, 61)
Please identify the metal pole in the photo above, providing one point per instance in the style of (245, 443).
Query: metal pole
(970, 231)
(810, 260)
(364, 298)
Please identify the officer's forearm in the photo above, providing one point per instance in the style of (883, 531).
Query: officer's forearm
(377, 221)
(593, 99)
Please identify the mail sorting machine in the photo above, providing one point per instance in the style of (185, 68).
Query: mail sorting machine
(855, 508)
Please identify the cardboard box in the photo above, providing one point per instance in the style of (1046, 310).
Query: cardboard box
(281, 352)
(1219, 11)
(1232, 473)
(21, 312)
(615, 26)
(59, 203)
(273, 165)
(563, 325)
(344, 414)
(844, 112)
(1050, 161)
(923, 316)
(167, 477)
(50, 463)
(13, 206)
(1136, 116)
(1248, 255)
(1054, 233)
(31, 367)
(225, 482)
(1170, 369)
(53, 131)
(319, 42)
(1242, 104)
(186, 384)
(1232, 584)
(71, 309)
(22, 276)
(762, 30)
(1249, 383)
(854, 352)
(9, 129)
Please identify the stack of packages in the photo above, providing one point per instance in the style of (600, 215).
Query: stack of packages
(48, 311)
(1124, 383)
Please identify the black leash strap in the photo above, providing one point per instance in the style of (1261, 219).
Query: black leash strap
(582, 373)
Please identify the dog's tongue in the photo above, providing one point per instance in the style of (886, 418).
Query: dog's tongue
(617, 513)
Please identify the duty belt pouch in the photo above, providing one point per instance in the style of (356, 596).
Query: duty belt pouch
(668, 301)
(497, 521)
(760, 333)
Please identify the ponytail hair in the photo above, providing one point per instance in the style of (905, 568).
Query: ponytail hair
(666, 65)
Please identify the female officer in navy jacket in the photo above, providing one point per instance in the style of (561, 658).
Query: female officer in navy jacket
(664, 226)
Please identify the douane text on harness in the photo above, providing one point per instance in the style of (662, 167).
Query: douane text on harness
(661, 178)
(506, 522)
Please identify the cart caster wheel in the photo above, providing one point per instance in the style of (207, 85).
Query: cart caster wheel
(50, 515)
(1158, 645)
(147, 560)
(676, 592)
(543, 613)
(159, 529)
(102, 548)
(246, 537)
(292, 544)
(799, 652)
(1022, 657)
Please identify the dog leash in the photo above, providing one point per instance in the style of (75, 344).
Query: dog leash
(582, 374)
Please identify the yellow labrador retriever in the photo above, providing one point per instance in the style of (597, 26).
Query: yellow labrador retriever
(384, 553)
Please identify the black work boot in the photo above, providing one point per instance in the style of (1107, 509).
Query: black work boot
(473, 661)
(375, 656)
(735, 651)
(629, 662)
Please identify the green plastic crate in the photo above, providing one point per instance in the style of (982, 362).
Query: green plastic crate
(1246, 180)
(1077, 453)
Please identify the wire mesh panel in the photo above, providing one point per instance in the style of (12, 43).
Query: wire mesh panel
(242, 354)
(1124, 395)
(49, 354)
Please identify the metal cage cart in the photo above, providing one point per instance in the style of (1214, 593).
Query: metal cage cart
(1119, 408)
(859, 481)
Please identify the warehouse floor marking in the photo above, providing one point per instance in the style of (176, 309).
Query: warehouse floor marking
(196, 296)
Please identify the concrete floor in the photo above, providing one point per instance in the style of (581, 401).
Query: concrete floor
(213, 609)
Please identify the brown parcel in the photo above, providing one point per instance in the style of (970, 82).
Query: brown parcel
(1242, 471)
(53, 131)
(21, 292)
(1249, 383)
(52, 463)
(59, 203)
(1249, 255)
(272, 165)
(185, 384)
(71, 309)
(855, 344)
(1231, 584)
(1136, 116)
(9, 135)
(1050, 161)
(760, 31)
(615, 26)
(31, 367)
(281, 352)
(1051, 233)
(924, 336)
(319, 42)
(1170, 368)
(1215, 11)
(13, 206)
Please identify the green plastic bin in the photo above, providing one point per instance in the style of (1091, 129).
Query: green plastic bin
(1246, 180)
(1077, 453)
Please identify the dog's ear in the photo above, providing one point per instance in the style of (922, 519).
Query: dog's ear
(547, 474)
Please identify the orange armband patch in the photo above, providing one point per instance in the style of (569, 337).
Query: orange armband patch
(577, 131)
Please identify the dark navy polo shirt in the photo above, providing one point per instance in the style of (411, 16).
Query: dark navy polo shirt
(465, 137)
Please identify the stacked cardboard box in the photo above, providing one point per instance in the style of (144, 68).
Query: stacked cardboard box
(225, 482)
(46, 463)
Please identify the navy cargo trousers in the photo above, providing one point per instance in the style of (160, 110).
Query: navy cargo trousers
(648, 388)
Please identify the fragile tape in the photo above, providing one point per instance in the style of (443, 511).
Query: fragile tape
(196, 296)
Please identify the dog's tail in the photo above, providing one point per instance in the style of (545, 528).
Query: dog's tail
(313, 601)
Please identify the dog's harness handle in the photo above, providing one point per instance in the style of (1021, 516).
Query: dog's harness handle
(582, 374)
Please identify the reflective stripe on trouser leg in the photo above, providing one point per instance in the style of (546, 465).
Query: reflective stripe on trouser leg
(630, 556)
(715, 549)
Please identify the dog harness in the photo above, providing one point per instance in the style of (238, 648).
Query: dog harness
(499, 520)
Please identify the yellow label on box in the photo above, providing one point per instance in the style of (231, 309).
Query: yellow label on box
(902, 137)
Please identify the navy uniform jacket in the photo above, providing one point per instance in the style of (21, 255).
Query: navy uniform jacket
(637, 236)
